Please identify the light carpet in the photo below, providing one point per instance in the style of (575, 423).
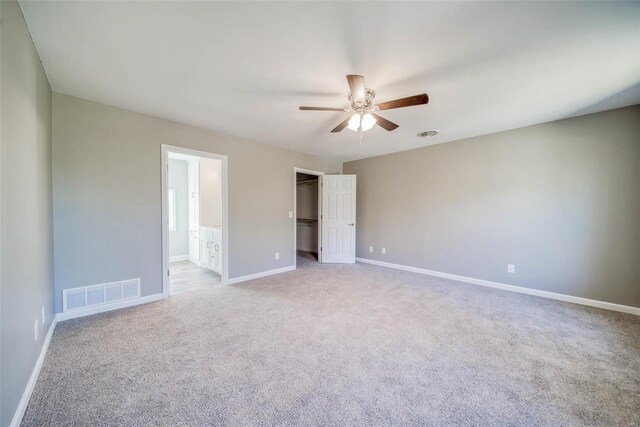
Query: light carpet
(343, 345)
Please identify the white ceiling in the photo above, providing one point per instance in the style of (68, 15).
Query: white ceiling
(244, 68)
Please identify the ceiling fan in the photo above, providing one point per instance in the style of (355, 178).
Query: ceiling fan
(364, 116)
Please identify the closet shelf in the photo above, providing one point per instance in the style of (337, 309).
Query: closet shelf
(307, 219)
(308, 181)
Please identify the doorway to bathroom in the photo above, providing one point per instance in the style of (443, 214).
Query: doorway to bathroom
(194, 219)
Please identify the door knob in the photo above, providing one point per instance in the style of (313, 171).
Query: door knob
(351, 225)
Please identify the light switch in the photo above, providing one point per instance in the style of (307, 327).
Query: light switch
(290, 214)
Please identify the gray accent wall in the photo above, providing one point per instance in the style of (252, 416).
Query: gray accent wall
(560, 200)
(107, 195)
(26, 252)
(178, 180)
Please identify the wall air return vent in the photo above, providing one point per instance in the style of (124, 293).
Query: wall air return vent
(130, 288)
(96, 295)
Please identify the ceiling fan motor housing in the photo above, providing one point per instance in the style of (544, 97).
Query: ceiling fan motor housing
(369, 95)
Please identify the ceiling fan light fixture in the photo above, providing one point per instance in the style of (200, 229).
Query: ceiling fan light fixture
(368, 121)
(354, 123)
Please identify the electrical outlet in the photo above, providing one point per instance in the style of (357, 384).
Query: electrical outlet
(511, 268)
(290, 214)
(384, 251)
(371, 249)
(35, 330)
(43, 316)
(277, 255)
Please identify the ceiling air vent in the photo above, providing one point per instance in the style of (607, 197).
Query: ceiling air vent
(428, 133)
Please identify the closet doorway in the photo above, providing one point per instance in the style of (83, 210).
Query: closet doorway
(194, 219)
(307, 214)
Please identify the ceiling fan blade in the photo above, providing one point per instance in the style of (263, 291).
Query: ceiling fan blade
(341, 125)
(321, 109)
(384, 123)
(356, 85)
(405, 102)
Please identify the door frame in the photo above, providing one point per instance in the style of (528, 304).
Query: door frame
(319, 174)
(164, 150)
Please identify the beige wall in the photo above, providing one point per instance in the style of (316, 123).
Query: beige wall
(559, 200)
(106, 180)
(210, 192)
(26, 253)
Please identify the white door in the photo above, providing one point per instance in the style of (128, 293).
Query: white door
(194, 213)
(339, 218)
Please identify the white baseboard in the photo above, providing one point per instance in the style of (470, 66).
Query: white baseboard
(512, 288)
(108, 307)
(235, 280)
(179, 258)
(24, 401)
